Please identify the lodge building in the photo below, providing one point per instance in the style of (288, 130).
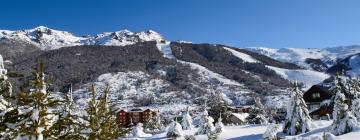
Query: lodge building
(130, 117)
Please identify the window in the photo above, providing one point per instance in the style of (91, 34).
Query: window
(316, 95)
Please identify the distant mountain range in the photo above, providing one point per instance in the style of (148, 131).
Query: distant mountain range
(144, 68)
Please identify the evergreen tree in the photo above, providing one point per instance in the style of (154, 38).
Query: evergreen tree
(206, 126)
(5, 85)
(355, 91)
(297, 119)
(67, 126)
(186, 122)
(257, 113)
(217, 106)
(101, 122)
(219, 126)
(138, 132)
(174, 131)
(344, 120)
(6, 105)
(270, 133)
(154, 125)
(37, 119)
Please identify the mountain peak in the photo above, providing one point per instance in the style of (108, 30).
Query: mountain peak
(48, 39)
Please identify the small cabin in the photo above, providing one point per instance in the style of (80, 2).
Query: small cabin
(130, 117)
(237, 118)
(316, 99)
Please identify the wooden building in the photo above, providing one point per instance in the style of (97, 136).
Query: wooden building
(128, 118)
(318, 101)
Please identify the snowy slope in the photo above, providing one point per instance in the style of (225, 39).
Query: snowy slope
(124, 86)
(354, 64)
(49, 39)
(308, 77)
(328, 56)
(165, 49)
(243, 56)
(206, 73)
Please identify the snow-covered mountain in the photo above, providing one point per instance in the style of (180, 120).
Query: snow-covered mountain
(49, 39)
(44, 38)
(349, 66)
(147, 65)
(310, 58)
(125, 37)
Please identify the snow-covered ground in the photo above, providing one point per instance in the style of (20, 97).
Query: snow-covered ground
(255, 132)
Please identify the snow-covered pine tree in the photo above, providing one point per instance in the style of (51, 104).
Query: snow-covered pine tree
(217, 106)
(6, 109)
(206, 124)
(186, 122)
(154, 125)
(257, 113)
(344, 120)
(270, 133)
(297, 119)
(5, 85)
(35, 105)
(67, 125)
(102, 123)
(355, 91)
(174, 131)
(219, 126)
(138, 132)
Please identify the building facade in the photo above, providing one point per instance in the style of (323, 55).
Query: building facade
(128, 118)
(317, 99)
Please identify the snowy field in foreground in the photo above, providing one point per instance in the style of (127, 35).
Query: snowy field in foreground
(255, 132)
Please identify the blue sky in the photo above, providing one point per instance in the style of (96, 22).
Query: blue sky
(241, 23)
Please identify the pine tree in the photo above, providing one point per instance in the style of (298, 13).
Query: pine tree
(5, 85)
(67, 126)
(344, 120)
(219, 126)
(102, 123)
(355, 90)
(154, 125)
(34, 105)
(206, 126)
(138, 132)
(270, 133)
(217, 106)
(257, 113)
(6, 103)
(186, 122)
(297, 119)
(174, 131)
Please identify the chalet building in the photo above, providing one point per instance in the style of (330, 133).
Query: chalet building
(240, 109)
(237, 118)
(318, 101)
(128, 118)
